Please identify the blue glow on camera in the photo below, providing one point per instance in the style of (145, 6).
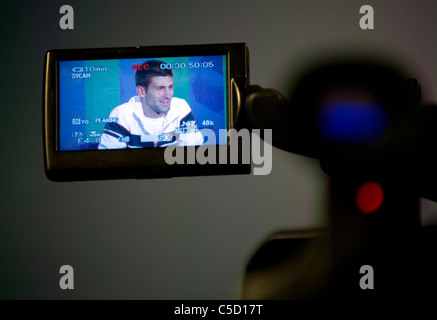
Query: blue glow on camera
(353, 123)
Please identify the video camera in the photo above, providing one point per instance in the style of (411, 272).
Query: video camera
(374, 137)
(364, 121)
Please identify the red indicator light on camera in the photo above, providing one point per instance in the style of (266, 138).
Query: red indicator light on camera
(369, 197)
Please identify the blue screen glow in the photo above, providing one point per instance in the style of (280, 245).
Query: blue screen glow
(353, 123)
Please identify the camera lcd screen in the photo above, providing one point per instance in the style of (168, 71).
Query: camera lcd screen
(112, 113)
(100, 106)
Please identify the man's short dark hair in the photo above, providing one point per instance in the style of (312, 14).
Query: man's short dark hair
(149, 69)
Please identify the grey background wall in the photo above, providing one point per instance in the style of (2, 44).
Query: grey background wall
(182, 238)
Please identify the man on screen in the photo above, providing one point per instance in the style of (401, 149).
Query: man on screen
(153, 118)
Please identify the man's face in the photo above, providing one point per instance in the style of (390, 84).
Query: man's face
(159, 94)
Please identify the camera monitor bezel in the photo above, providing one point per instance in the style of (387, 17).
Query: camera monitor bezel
(73, 165)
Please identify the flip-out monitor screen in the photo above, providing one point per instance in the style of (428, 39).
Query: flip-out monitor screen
(142, 102)
(114, 112)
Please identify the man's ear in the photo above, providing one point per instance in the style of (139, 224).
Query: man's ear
(141, 91)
